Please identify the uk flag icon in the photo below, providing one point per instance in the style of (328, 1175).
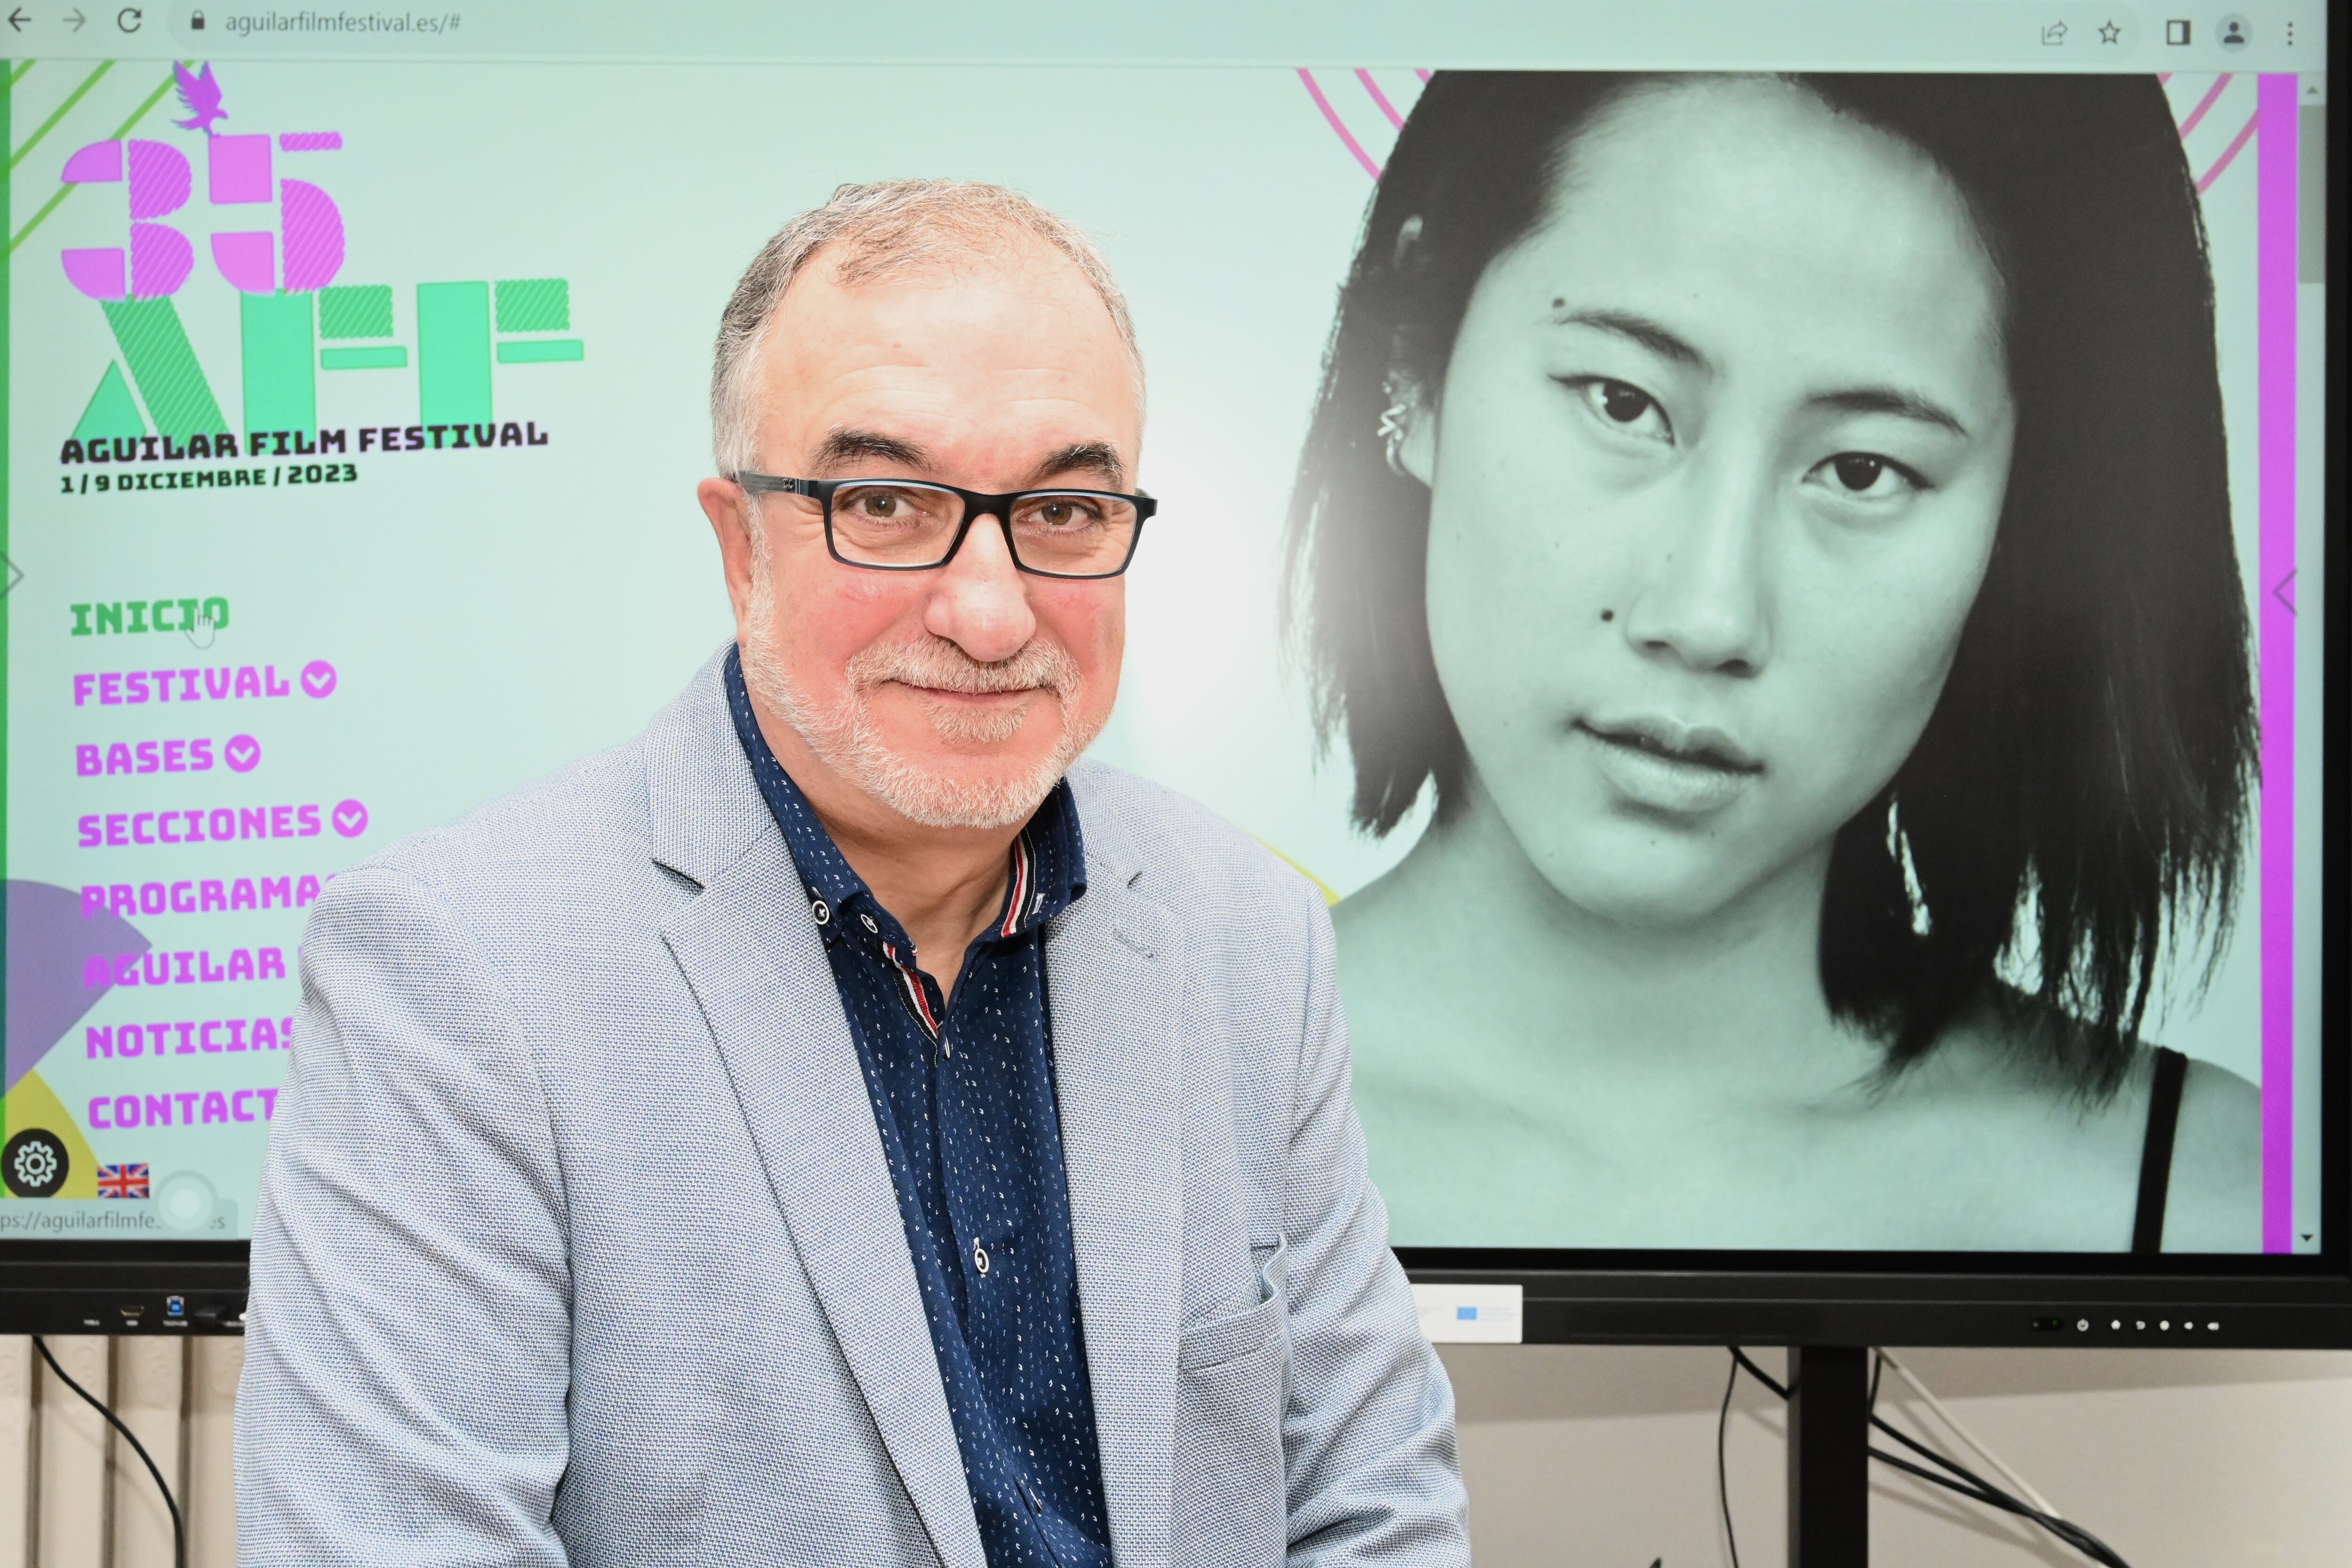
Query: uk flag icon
(122, 1181)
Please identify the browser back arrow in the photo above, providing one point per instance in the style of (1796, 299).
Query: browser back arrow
(17, 19)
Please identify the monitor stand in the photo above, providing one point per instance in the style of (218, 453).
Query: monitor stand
(1829, 1457)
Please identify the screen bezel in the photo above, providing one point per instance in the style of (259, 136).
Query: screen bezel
(1666, 1297)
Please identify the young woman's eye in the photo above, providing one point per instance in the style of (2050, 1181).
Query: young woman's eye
(1866, 477)
(1624, 406)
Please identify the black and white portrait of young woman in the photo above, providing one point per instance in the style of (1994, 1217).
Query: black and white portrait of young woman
(1777, 528)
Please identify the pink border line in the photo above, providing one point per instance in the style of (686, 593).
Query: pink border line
(1331, 118)
(2230, 153)
(1379, 98)
(2276, 248)
(2205, 104)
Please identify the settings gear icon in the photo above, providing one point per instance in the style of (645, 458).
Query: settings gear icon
(37, 1165)
(34, 1164)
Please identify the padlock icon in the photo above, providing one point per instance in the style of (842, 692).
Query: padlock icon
(195, 21)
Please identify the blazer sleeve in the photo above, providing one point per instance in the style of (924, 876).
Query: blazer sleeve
(1368, 1443)
(407, 1342)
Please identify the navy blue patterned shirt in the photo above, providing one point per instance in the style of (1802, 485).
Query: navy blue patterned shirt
(963, 1094)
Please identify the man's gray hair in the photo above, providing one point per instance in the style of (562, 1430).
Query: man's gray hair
(893, 226)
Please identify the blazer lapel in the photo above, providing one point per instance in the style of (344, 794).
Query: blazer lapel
(758, 968)
(1112, 963)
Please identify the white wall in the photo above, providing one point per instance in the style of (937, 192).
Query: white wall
(1575, 1457)
(1605, 1457)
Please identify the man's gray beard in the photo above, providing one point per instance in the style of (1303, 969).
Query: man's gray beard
(843, 737)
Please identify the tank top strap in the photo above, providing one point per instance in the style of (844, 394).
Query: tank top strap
(2156, 1150)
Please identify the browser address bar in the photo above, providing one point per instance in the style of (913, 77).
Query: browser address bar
(2054, 36)
(273, 22)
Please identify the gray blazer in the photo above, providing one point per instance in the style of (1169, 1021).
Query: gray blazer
(576, 1244)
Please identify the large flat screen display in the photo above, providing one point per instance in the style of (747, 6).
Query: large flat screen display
(1783, 597)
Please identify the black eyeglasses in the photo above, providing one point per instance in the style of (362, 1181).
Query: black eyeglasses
(903, 524)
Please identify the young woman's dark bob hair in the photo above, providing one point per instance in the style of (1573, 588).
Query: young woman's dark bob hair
(2092, 752)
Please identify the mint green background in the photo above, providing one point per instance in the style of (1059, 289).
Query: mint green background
(491, 615)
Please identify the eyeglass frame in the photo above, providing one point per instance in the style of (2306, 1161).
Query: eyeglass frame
(976, 505)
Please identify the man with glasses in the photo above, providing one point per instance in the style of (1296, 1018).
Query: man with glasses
(838, 1126)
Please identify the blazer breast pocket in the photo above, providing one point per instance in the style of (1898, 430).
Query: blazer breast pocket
(1223, 1339)
(1233, 1377)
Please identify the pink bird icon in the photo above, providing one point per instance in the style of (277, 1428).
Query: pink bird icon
(201, 97)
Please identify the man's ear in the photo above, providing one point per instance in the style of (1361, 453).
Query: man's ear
(732, 517)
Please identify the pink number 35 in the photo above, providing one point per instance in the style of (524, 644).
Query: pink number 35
(305, 252)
